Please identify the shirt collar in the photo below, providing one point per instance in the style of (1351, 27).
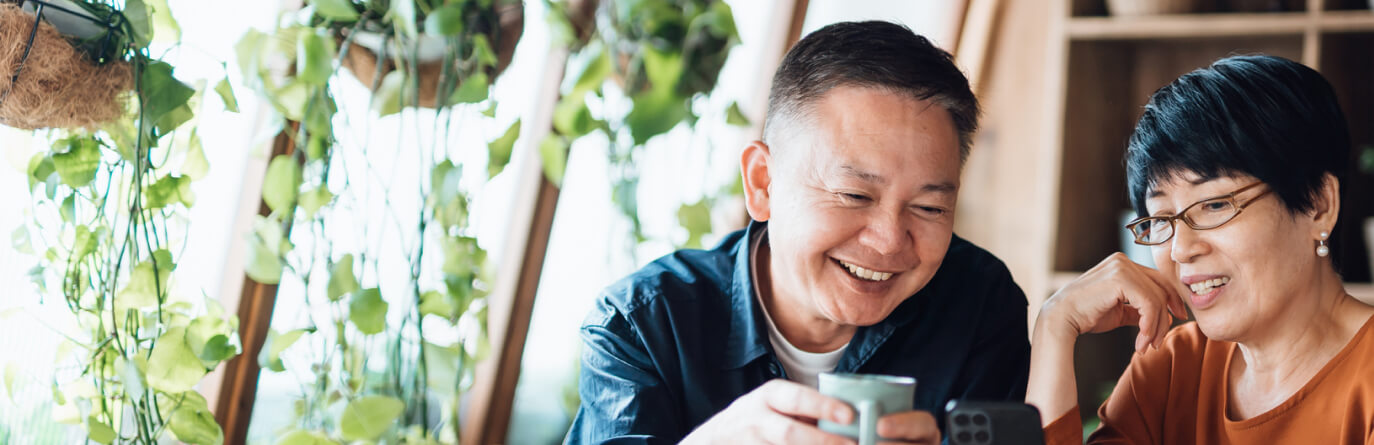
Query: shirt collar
(747, 341)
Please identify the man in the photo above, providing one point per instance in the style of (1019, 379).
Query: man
(850, 266)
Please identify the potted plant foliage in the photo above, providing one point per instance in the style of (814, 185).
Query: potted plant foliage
(109, 205)
(386, 361)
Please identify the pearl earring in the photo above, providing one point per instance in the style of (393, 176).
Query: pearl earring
(1322, 249)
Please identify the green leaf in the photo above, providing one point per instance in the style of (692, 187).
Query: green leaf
(314, 58)
(83, 245)
(145, 282)
(226, 95)
(311, 201)
(664, 69)
(445, 21)
(163, 94)
(270, 357)
(265, 249)
(196, 166)
(598, 68)
(208, 338)
(481, 49)
(655, 114)
(442, 364)
(173, 367)
(19, 239)
(193, 423)
(341, 279)
(435, 303)
(136, 12)
(336, 10)
(554, 151)
(403, 18)
(290, 100)
(735, 116)
(78, 162)
(386, 100)
(280, 186)
(696, 218)
(68, 208)
(499, 150)
(40, 167)
(131, 377)
(303, 437)
(368, 417)
(165, 27)
(99, 432)
(721, 21)
(572, 118)
(367, 311)
(474, 89)
(169, 190)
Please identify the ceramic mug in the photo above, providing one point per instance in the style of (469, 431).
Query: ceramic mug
(872, 396)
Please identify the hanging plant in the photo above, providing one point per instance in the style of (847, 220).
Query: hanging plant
(664, 58)
(110, 201)
(386, 365)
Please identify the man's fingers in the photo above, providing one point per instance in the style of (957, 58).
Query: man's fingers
(910, 427)
(797, 400)
(782, 430)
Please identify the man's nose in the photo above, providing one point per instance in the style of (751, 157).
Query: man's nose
(886, 234)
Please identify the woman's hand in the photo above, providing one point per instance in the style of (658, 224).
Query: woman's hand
(1116, 292)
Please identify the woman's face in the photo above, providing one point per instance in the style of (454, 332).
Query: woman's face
(1238, 277)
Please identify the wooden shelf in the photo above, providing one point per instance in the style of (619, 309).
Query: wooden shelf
(1186, 26)
(1217, 25)
(1346, 21)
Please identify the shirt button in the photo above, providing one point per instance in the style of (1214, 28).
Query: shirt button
(773, 369)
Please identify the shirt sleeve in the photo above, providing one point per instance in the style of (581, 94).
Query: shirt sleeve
(623, 396)
(1134, 413)
(1066, 430)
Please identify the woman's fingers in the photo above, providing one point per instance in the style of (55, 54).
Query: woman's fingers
(1174, 300)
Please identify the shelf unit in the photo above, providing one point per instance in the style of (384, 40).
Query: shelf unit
(1103, 70)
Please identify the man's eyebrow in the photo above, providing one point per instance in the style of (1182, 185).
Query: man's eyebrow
(862, 175)
(857, 173)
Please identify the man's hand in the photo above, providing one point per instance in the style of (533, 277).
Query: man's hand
(779, 412)
(914, 427)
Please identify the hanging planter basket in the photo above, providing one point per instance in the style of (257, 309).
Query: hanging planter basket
(361, 58)
(45, 81)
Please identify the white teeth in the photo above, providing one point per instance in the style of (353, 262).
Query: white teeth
(1206, 286)
(866, 274)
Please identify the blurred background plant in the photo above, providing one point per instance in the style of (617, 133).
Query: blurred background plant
(395, 303)
(108, 218)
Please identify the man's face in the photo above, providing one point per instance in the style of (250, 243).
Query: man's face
(860, 203)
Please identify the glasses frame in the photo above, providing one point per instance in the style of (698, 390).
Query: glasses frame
(1181, 216)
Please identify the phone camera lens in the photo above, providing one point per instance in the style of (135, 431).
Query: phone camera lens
(981, 437)
(961, 420)
(980, 420)
(965, 437)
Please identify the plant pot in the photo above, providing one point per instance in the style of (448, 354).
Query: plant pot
(58, 86)
(1132, 8)
(361, 59)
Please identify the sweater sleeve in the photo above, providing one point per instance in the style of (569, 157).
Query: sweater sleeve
(1066, 430)
(1135, 412)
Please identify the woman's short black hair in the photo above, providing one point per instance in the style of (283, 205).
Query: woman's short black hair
(871, 54)
(1257, 115)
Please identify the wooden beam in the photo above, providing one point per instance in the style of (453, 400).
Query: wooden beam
(239, 386)
(511, 301)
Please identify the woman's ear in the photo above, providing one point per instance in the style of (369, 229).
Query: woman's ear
(1327, 205)
(754, 164)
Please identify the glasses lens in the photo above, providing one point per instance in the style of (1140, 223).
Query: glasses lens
(1209, 214)
(1152, 231)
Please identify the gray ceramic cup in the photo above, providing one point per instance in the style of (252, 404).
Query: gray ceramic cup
(872, 396)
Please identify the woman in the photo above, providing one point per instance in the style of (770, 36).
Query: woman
(1235, 170)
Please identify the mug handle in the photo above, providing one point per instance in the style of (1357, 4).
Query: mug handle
(869, 411)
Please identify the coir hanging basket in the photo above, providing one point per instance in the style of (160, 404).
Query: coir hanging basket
(56, 85)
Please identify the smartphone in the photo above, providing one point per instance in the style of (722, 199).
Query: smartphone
(969, 422)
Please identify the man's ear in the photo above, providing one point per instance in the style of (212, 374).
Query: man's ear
(1327, 204)
(755, 164)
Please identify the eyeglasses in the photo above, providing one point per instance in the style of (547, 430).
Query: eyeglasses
(1206, 214)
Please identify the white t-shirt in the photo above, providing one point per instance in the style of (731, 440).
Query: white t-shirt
(801, 366)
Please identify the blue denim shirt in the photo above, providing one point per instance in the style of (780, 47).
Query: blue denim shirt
(679, 340)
